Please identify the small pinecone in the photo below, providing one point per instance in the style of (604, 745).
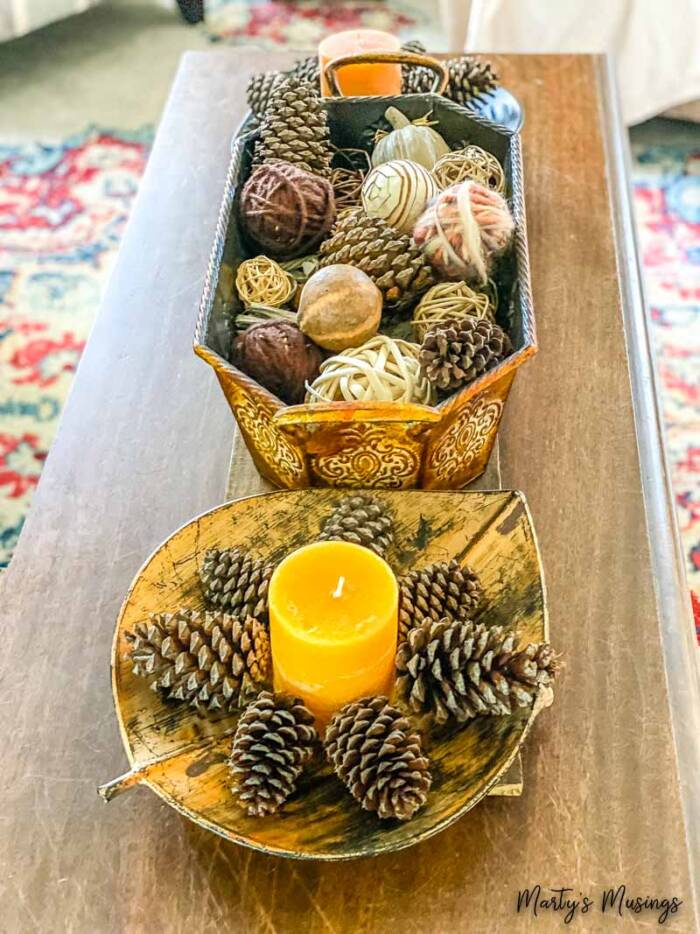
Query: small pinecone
(457, 352)
(261, 85)
(361, 520)
(469, 78)
(378, 756)
(438, 591)
(392, 260)
(295, 128)
(274, 740)
(307, 69)
(259, 89)
(462, 669)
(235, 582)
(211, 660)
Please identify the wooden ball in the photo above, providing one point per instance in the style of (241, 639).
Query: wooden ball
(398, 193)
(340, 307)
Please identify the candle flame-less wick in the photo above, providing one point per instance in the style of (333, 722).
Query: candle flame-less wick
(338, 592)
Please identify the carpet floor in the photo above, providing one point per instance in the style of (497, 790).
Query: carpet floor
(64, 204)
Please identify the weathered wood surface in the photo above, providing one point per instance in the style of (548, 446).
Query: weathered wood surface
(601, 804)
(491, 532)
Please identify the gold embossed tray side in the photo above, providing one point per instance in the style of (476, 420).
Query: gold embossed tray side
(492, 531)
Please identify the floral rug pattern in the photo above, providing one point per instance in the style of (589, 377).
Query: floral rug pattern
(667, 200)
(300, 25)
(63, 209)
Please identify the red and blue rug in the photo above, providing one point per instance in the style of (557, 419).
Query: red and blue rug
(63, 209)
(667, 200)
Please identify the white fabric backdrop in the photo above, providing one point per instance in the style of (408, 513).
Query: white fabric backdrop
(655, 43)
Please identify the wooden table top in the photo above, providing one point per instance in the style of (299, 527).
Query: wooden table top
(144, 444)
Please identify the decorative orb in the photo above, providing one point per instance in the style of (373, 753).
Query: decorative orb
(464, 230)
(398, 192)
(340, 307)
(450, 301)
(470, 164)
(262, 281)
(279, 357)
(286, 210)
(381, 370)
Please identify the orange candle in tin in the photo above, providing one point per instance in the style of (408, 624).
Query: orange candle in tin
(364, 79)
(333, 625)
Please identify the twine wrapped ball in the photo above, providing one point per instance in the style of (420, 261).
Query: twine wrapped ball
(470, 164)
(464, 230)
(279, 357)
(261, 281)
(398, 192)
(381, 370)
(450, 301)
(286, 210)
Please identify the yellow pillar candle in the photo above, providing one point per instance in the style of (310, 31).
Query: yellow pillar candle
(333, 625)
(366, 79)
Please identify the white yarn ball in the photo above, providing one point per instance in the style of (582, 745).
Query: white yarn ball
(398, 192)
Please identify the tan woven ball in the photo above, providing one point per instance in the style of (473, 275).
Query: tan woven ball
(381, 370)
(471, 163)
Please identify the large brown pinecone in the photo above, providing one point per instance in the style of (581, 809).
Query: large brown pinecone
(468, 77)
(455, 353)
(274, 740)
(261, 85)
(362, 520)
(437, 591)
(463, 669)
(392, 260)
(377, 755)
(235, 582)
(295, 128)
(212, 661)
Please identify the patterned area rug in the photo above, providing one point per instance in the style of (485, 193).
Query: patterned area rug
(271, 24)
(667, 200)
(62, 212)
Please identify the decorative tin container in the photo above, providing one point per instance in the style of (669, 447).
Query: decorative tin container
(347, 444)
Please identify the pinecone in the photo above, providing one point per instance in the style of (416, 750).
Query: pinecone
(211, 660)
(462, 669)
(362, 520)
(438, 591)
(468, 78)
(235, 582)
(378, 757)
(392, 260)
(295, 128)
(274, 740)
(456, 352)
(259, 89)
(261, 85)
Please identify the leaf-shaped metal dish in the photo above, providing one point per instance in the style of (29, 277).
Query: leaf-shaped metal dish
(182, 755)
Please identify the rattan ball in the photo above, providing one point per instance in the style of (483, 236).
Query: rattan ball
(381, 370)
(464, 230)
(471, 163)
(286, 210)
(261, 281)
(448, 301)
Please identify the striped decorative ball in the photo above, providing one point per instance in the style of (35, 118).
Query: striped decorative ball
(398, 192)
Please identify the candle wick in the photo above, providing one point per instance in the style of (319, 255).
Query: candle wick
(338, 592)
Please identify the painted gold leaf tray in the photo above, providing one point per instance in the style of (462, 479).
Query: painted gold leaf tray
(182, 755)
